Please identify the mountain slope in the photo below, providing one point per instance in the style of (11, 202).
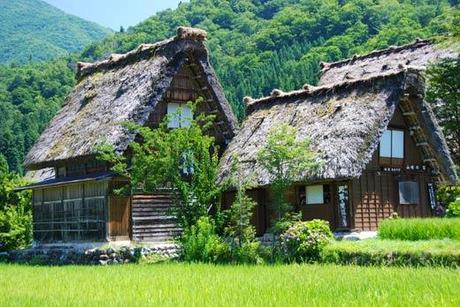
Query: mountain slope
(32, 30)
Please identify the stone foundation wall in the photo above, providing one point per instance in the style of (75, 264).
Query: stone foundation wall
(98, 256)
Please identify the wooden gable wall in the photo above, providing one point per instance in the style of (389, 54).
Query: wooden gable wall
(376, 192)
(188, 85)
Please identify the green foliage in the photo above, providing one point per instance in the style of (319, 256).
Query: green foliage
(420, 229)
(286, 159)
(201, 243)
(304, 241)
(238, 228)
(394, 253)
(182, 159)
(453, 210)
(15, 212)
(448, 193)
(444, 96)
(29, 97)
(33, 30)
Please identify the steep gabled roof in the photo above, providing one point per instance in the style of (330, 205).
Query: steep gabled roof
(420, 54)
(126, 87)
(344, 122)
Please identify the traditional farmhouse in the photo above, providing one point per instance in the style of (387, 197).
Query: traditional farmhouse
(76, 202)
(383, 149)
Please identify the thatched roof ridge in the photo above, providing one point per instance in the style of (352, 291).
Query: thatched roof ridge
(124, 88)
(421, 53)
(278, 96)
(144, 50)
(344, 122)
(392, 49)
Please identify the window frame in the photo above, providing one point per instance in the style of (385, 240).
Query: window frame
(322, 194)
(182, 121)
(393, 160)
(412, 201)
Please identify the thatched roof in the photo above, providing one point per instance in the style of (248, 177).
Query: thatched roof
(420, 54)
(344, 121)
(125, 87)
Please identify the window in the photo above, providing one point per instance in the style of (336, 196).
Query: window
(315, 194)
(180, 115)
(409, 192)
(392, 144)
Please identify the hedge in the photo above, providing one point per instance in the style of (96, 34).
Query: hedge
(420, 229)
(394, 253)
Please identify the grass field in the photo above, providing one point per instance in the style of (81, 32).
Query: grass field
(207, 285)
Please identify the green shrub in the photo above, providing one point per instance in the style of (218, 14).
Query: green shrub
(248, 253)
(200, 243)
(420, 229)
(453, 210)
(15, 228)
(394, 253)
(304, 241)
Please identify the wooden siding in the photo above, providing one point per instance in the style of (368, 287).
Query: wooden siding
(375, 195)
(119, 218)
(187, 85)
(74, 212)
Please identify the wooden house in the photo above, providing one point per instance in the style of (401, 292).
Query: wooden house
(382, 148)
(76, 202)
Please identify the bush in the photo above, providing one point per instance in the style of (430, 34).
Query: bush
(15, 228)
(304, 241)
(202, 244)
(394, 253)
(453, 210)
(420, 229)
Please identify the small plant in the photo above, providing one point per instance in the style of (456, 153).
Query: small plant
(453, 210)
(304, 241)
(201, 243)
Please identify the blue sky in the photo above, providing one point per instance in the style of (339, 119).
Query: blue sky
(114, 13)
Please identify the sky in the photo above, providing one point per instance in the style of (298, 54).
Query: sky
(114, 13)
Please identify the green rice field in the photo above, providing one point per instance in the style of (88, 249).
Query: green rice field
(179, 284)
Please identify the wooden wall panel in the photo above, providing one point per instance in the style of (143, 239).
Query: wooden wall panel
(119, 219)
(376, 197)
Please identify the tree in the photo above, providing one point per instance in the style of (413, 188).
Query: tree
(286, 158)
(15, 211)
(239, 227)
(444, 95)
(182, 159)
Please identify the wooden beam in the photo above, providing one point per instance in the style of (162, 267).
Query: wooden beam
(415, 127)
(429, 160)
(411, 113)
(422, 144)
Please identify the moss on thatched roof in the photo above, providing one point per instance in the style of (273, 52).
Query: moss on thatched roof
(344, 122)
(420, 54)
(125, 87)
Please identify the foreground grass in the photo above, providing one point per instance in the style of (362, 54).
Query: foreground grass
(414, 229)
(207, 285)
(394, 252)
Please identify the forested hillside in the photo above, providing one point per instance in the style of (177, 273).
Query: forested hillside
(32, 30)
(256, 45)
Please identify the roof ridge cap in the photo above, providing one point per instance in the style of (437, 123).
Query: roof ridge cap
(309, 90)
(415, 44)
(182, 33)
